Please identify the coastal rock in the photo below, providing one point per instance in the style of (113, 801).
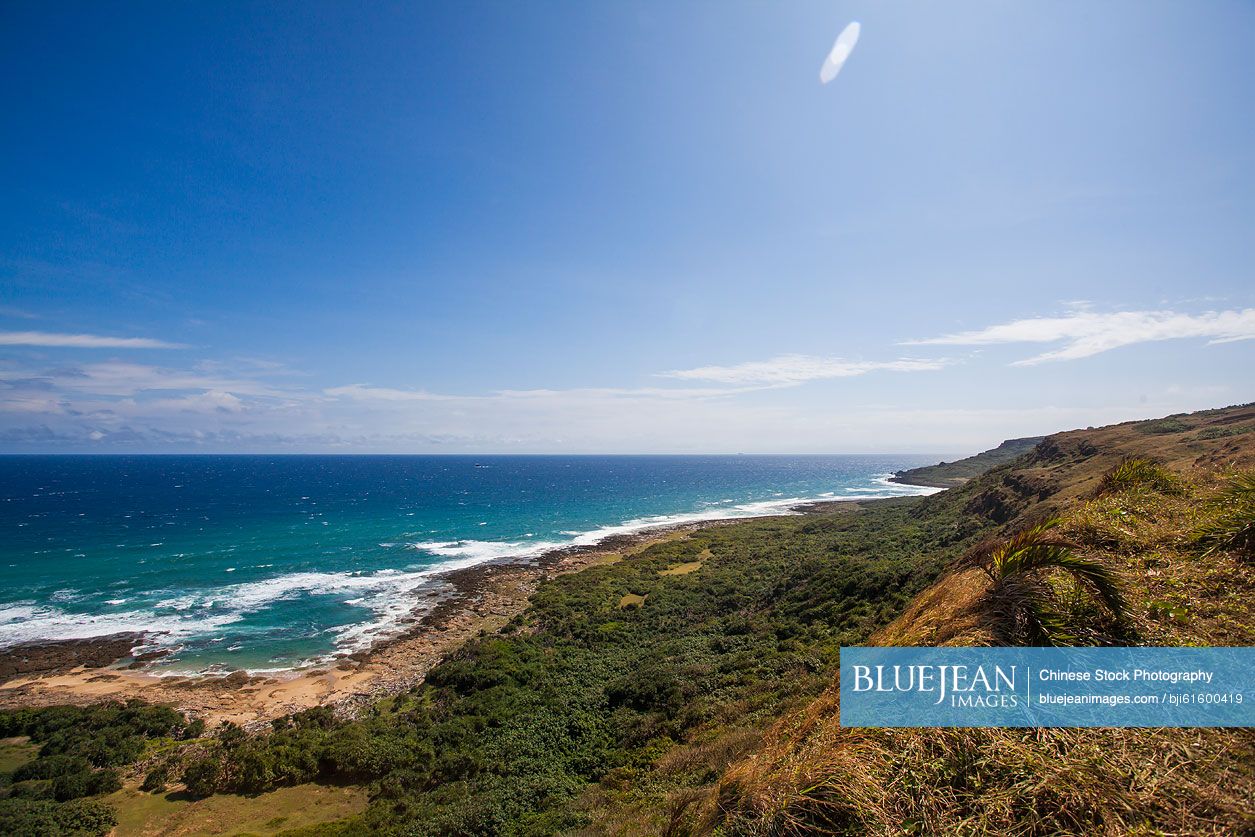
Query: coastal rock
(237, 678)
(65, 655)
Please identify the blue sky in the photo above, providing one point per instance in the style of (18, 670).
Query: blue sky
(619, 228)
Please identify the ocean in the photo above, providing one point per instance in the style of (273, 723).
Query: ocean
(271, 562)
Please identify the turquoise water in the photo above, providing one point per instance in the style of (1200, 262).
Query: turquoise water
(267, 563)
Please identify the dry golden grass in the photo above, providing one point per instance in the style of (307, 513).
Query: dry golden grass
(682, 569)
(951, 612)
(991, 781)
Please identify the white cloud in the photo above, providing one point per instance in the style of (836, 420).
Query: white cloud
(787, 370)
(366, 392)
(82, 341)
(17, 313)
(211, 401)
(115, 378)
(1085, 333)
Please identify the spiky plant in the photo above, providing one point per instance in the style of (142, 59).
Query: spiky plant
(1019, 568)
(1232, 524)
(1132, 472)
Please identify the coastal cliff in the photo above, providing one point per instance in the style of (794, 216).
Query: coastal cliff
(953, 474)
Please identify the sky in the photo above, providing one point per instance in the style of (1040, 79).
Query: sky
(619, 228)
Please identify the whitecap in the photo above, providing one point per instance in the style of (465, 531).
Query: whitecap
(44, 624)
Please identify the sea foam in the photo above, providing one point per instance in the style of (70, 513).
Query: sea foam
(389, 599)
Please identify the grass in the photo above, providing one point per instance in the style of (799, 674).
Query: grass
(1176, 596)
(1232, 527)
(1225, 432)
(631, 600)
(682, 569)
(147, 815)
(15, 752)
(689, 566)
(1136, 472)
(813, 776)
(994, 781)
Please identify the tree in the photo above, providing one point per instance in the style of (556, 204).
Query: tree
(202, 776)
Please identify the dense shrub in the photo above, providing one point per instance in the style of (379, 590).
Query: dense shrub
(202, 775)
(156, 779)
(79, 749)
(80, 818)
(63, 778)
(51, 767)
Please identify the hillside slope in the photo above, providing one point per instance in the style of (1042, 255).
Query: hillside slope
(953, 474)
(813, 776)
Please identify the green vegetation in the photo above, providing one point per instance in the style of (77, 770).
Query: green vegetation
(35, 817)
(15, 752)
(1020, 568)
(289, 811)
(682, 569)
(508, 735)
(1225, 432)
(1163, 426)
(79, 751)
(1232, 527)
(1135, 472)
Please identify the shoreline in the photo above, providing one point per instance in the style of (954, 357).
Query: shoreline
(484, 597)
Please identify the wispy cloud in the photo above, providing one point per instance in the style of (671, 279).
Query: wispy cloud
(16, 313)
(1087, 333)
(787, 370)
(366, 392)
(82, 341)
(118, 379)
(384, 395)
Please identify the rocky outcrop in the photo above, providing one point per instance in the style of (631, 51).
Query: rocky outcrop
(65, 655)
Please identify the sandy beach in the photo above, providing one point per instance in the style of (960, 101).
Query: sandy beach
(485, 597)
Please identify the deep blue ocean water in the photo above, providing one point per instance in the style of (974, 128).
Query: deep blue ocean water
(268, 562)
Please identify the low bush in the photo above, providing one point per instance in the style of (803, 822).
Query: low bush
(1231, 527)
(1136, 473)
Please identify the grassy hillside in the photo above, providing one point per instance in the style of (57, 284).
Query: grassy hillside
(953, 474)
(1135, 498)
(687, 689)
